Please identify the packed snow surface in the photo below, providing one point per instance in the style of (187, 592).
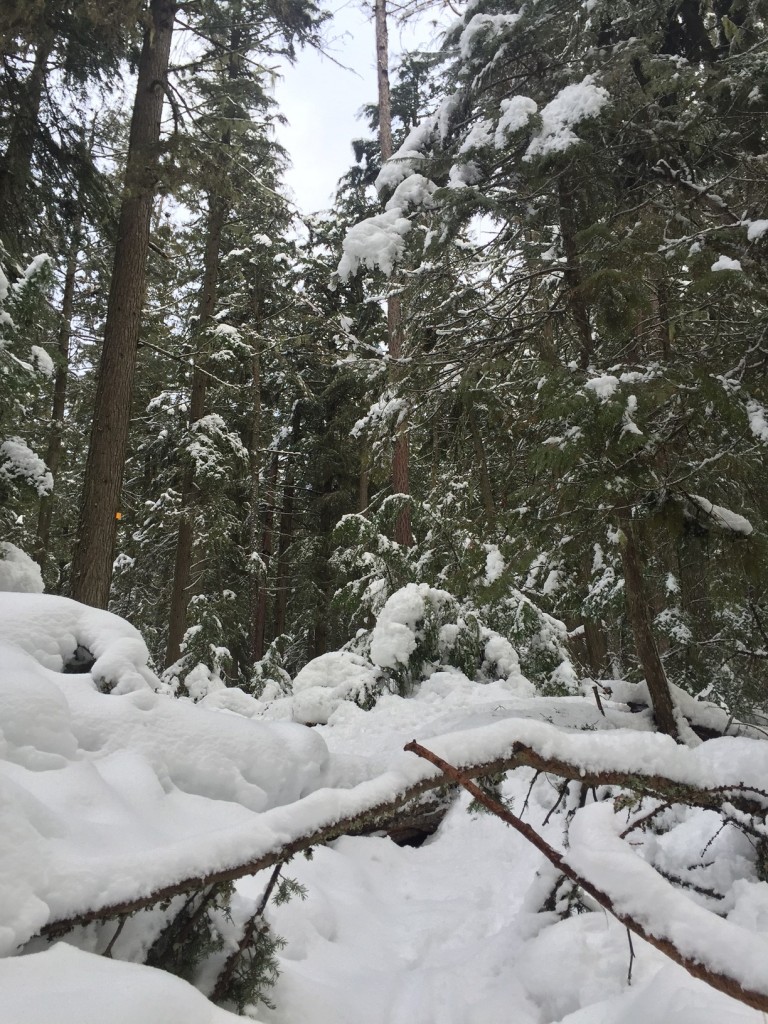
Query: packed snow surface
(111, 789)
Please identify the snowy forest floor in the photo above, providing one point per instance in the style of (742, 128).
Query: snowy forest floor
(111, 795)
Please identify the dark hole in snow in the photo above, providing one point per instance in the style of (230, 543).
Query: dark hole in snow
(81, 661)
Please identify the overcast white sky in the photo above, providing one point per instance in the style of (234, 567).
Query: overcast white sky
(320, 100)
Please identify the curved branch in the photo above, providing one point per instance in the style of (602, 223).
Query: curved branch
(716, 978)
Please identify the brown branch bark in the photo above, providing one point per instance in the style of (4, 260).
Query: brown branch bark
(387, 813)
(716, 979)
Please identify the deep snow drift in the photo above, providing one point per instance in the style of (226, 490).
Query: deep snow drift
(112, 788)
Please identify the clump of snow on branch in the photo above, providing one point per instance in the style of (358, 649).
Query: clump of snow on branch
(480, 26)
(726, 263)
(41, 360)
(758, 423)
(19, 462)
(572, 105)
(756, 229)
(407, 158)
(380, 241)
(515, 115)
(723, 517)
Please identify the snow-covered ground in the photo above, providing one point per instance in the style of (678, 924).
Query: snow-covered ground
(112, 788)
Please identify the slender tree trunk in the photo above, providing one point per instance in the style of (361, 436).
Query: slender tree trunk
(177, 621)
(638, 610)
(400, 457)
(364, 480)
(259, 622)
(53, 452)
(573, 281)
(16, 162)
(105, 466)
(486, 490)
(255, 461)
(286, 535)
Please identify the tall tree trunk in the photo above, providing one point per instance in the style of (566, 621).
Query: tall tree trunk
(259, 611)
(486, 490)
(364, 480)
(105, 466)
(284, 543)
(400, 457)
(573, 277)
(177, 620)
(16, 162)
(53, 452)
(638, 610)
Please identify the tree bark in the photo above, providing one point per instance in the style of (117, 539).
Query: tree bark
(284, 543)
(259, 612)
(638, 610)
(177, 621)
(400, 456)
(16, 162)
(105, 465)
(486, 490)
(53, 451)
(573, 278)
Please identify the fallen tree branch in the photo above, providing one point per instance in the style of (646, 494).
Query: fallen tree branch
(383, 814)
(716, 979)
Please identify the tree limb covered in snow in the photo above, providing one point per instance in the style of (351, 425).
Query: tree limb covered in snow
(383, 815)
(719, 980)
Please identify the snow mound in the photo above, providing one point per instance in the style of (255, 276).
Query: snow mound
(18, 572)
(326, 681)
(103, 791)
(67, 986)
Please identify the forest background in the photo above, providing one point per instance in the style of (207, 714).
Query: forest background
(492, 429)
(577, 371)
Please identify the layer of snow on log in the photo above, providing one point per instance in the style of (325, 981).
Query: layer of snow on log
(598, 854)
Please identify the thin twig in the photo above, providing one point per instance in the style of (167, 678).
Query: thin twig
(120, 925)
(631, 957)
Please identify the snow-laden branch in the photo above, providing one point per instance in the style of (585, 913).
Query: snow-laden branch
(718, 952)
(711, 775)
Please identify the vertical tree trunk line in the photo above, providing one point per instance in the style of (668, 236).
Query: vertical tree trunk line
(638, 611)
(16, 162)
(105, 465)
(400, 457)
(185, 541)
(573, 277)
(283, 546)
(259, 618)
(180, 594)
(58, 407)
